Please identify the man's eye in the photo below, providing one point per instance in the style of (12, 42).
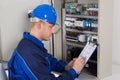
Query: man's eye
(51, 26)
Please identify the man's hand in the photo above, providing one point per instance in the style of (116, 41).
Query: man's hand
(77, 64)
(69, 65)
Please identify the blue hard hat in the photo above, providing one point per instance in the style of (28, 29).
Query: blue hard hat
(45, 12)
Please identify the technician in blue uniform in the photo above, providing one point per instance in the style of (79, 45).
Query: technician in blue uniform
(30, 59)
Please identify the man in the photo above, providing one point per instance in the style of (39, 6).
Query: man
(31, 61)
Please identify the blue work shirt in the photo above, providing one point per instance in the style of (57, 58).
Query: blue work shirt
(31, 61)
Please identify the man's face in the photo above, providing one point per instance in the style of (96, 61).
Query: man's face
(47, 30)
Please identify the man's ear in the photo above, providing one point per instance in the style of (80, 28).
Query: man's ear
(38, 24)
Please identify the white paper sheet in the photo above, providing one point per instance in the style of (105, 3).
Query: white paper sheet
(88, 50)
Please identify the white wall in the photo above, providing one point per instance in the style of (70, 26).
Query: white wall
(57, 34)
(13, 22)
(116, 32)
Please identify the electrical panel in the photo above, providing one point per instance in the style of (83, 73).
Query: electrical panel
(80, 25)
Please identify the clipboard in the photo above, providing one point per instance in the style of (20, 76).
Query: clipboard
(88, 50)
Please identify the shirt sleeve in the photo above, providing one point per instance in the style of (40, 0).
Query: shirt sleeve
(56, 65)
(38, 67)
(59, 66)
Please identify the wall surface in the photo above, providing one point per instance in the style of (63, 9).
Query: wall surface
(13, 22)
(57, 31)
(116, 32)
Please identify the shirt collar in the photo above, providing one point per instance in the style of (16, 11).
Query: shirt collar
(33, 39)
